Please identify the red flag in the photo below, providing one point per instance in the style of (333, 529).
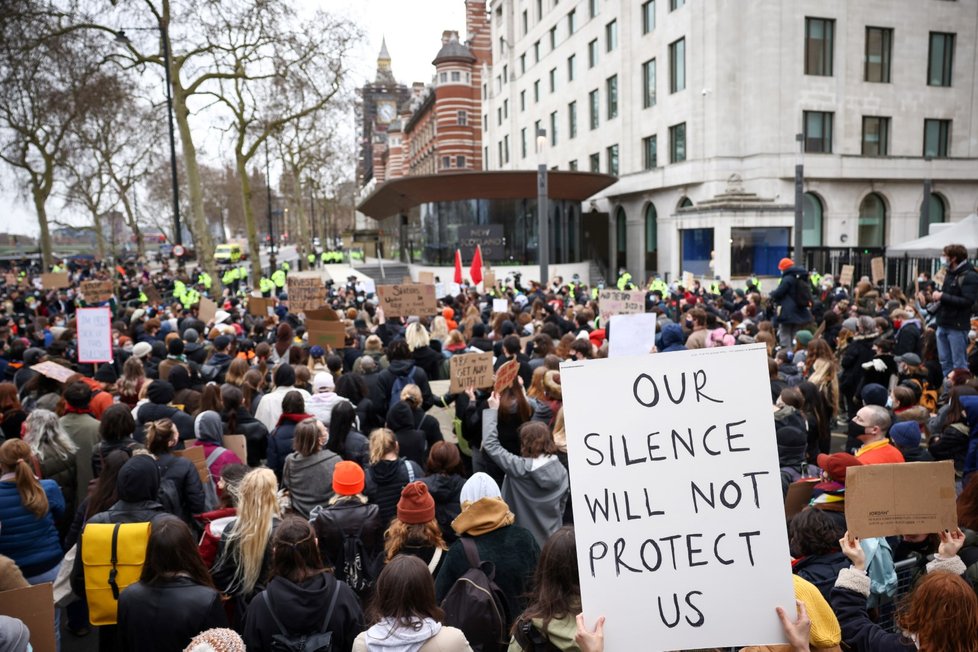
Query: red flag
(458, 266)
(475, 272)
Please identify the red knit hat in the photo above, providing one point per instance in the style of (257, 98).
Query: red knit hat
(785, 263)
(347, 478)
(416, 505)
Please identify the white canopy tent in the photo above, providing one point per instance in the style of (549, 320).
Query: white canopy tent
(964, 232)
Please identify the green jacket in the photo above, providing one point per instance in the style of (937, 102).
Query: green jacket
(559, 632)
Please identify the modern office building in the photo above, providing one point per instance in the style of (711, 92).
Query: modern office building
(703, 109)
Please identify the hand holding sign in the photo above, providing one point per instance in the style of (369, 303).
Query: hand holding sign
(951, 543)
(851, 549)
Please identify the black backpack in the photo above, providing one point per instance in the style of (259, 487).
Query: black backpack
(321, 641)
(532, 639)
(803, 291)
(359, 569)
(476, 605)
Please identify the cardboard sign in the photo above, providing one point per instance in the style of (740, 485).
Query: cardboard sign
(506, 375)
(152, 295)
(97, 291)
(94, 327)
(54, 371)
(620, 302)
(688, 279)
(426, 278)
(206, 310)
(500, 305)
(54, 281)
(470, 370)
(407, 280)
(678, 498)
(878, 269)
(845, 276)
(322, 314)
(632, 334)
(488, 279)
(259, 306)
(326, 333)
(405, 300)
(238, 445)
(196, 455)
(10, 280)
(910, 498)
(799, 495)
(305, 292)
(34, 606)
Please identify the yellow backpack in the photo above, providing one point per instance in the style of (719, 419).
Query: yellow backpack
(112, 555)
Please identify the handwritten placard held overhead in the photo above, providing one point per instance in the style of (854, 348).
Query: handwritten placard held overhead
(426, 278)
(470, 370)
(620, 302)
(405, 300)
(97, 291)
(677, 499)
(912, 498)
(305, 292)
(845, 276)
(54, 280)
(878, 269)
(94, 334)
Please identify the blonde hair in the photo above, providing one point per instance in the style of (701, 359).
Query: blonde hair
(411, 394)
(251, 534)
(439, 328)
(15, 455)
(400, 534)
(133, 376)
(373, 344)
(382, 442)
(416, 336)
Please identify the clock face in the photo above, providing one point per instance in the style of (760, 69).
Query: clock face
(386, 112)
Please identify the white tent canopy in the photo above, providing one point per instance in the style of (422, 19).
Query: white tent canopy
(964, 232)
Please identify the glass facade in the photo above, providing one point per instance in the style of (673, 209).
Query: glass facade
(697, 251)
(757, 250)
(432, 232)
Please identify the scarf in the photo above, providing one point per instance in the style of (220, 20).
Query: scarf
(73, 410)
(292, 418)
(389, 635)
(179, 358)
(483, 516)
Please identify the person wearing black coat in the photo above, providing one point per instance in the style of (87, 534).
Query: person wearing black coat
(401, 366)
(792, 315)
(181, 473)
(160, 394)
(388, 474)
(239, 421)
(858, 352)
(956, 303)
(411, 440)
(907, 332)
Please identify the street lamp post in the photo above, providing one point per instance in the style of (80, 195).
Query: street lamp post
(543, 209)
(268, 201)
(799, 254)
(121, 37)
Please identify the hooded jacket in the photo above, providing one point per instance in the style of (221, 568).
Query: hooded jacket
(672, 339)
(381, 391)
(301, 608)
(280, 441)
(970, 406)
(347, 515)
(908, 338)
(256, 435)
(209, 430)
(410, 439)
(959, 297)
(30, 541)
(384, 482)
(535, 489)
(786, 296)
(149, 412)
(429, 636)
(167, 614)
(445, 490)
(309, 479)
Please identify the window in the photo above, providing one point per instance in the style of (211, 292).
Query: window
(819, 33)
(677, 65)
(593, 7)
(940, 59)
(506, 148)
(592, 53)
(696, 251)
(571, 64)
(648, 16)
(500, 146)
(621, 237)
(485, 157)
(757, 250)
(505, 73)
(677, 143)
(539, 9)
(523, 100)
(936, 138)
(553, 79)
(456, 76)
(443, 77)
(536, 91)
(872, 221)
(611, 36)
(499, 116)
(505, 108)
(650, 153)
(572, 120)
(553, 128)
(523, 142)
(811, 222)
(648, 84)
(594, 160)
(572, 21)
(536, 130)
(818, 132)
(611, 94)
(676, 4)
(593, 108)
(462, 118)
(876, 136)
(485, 89)
(526, 22)
(446, 162)
(536, 52)
(879, 45)
(936, 213)
(553, 38)
(572, 166)
(485, 122)
(523, 63)
(651, 237)
(460, 161)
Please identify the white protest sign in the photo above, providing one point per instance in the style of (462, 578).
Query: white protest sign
(620, 302)
(677, 498)
(369, 286)
(632, 334)
(94, 334)
(500, 305)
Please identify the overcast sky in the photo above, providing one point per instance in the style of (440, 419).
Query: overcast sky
(413, 32)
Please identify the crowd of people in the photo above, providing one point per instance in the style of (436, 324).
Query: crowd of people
(355, 520)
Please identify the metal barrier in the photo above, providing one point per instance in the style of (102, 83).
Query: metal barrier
(906, 571)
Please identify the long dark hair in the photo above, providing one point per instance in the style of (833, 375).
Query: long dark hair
(817, 406)
(295, 553)
(172, 550)
(556, 582)
(405, 592)
(231, 398)
(340, 424)
(352, 387)
(105, 494)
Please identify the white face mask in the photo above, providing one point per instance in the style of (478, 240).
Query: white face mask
(944, 260)
(921, 279)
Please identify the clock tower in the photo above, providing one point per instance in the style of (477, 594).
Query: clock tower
(379, 103)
